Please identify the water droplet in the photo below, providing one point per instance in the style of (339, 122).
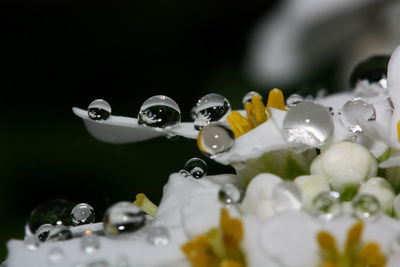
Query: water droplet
(158, 236)
(373, 70)
(355, 111)
(200, 123)
(196, 167)
(55, 255)
(82, 214)
(286, 196)
(31, 242)
(229, 194)
(99, 110)
(215, 138)
(326, 205)
(366, 207)
(123, 217)
(211, 107)
(60, 233)
(160, 111)
(100, 263)
(309, 124)
(90, 243)
(293, 100)
(249, 96)
(43, 232)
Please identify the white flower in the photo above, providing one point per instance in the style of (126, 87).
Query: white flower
(382, 190)
(311, 186)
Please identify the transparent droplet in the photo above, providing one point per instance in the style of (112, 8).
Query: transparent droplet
(160, 111)
(286, 196)
(82, 214)
(60, 233)
(366, 207)
(309, 124)
(90, 243)
(326, 205)
(100, 263)
(373, 70)
(211, 107)
(31, 242)
(229, 194)
(249, 96)
(123, 217)
(199, 123)
(43, 232)
(293, 100)
(215, 138)
(355, 111)
(99, 110)
(55, 255)
(395, 245)
(158, 236)
(196, 167)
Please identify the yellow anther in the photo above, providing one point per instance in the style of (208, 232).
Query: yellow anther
(231, 263)
(145, 204)
(232, 230)
(239, 124)
(276, 100)
(258, 110)
(354, 234)
(326, 241)
(371, 255)
(249, 112)
(398, 130)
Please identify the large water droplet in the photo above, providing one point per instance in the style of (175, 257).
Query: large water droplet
(31, 242)
(99, 110)
(123, 217)
(215, 138)
(43, 232)
(293, 100)
(286, 196)
(355, 111)
(82, 214)
(309, 124)
(229, 194)
(160, 111)
(249, 96)
(60, 233)
(90, 243)
(373, 70)
(211, 107)
(366, 207)
(55, 255)
(158, 236)
(195, 167)
(326, 205)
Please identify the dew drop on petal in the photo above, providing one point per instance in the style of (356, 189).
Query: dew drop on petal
(31, 242)
(229, 194)
(293, 100)
(215, 138)
(43, 232)
(309, 124)
(355, 111)
(195, 167)
(327, 205)
(99, 110)
(158, 236)
(366, 207)
(83, 214)
(123, 217)
(286, 196)
(160, 112)
(55, 255)
(90, 243)
(211, 107)
(249, 96)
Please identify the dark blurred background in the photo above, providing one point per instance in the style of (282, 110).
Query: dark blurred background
(60, 54)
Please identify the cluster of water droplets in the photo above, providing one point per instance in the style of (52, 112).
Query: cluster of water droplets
(195, 167)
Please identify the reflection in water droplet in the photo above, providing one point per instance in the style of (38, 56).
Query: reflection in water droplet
(309, 124)
(199, 123)
(355, 111)
(158, 236)
(99, 110)
(366, 207)
(196, 167)
(82, 214)
(248, 96)
(371, 71)
(211, 107)
(286, 196)
(229, 194)
(90, 243)
(43, 232)
(293, 100)
(215, 138)
(31, 242)
(60, 233)
(326, 205)
(159, 111)
(55, 255)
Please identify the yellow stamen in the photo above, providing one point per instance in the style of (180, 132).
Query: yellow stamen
(354, 234)
(329, 264)
(232, 230)
(145, 204)
(371, 255)
(239, 124)
(326, 241)
(398, 130)
(200, 253)
(249, 112)
(258, 112)
(231, 263)
(276, 100)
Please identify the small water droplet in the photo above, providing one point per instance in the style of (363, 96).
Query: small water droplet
(229, 194)
(249, 96)
(60, 233)
(90, 243)
(55, 255)
(309, 124)
(158, 236)
(211, 107)
(43, 232)
(196, 167)
(99, 110)
(293, 100)
(123, 217)
(159, 111)
(31, 242)
(373, 70)
(326, 205)
(366, 207)
(215, 138)
(83, 214)
(286, 196)
(355, 111)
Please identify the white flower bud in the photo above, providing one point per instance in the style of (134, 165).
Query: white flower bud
(382, 190)
(345, 165)
(311, 186)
